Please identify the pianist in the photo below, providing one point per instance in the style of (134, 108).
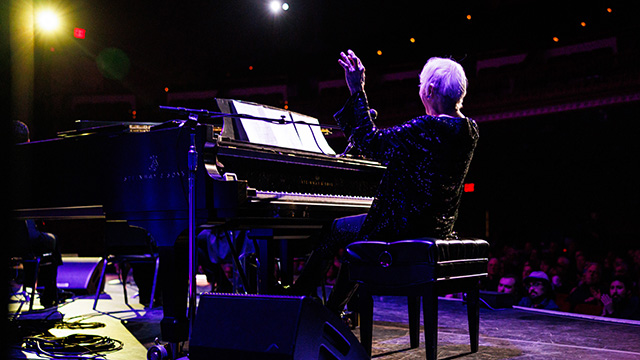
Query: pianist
(427, 160)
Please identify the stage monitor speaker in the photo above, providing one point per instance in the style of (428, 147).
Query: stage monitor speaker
(261, 327)
(497, 300)
(80, 275)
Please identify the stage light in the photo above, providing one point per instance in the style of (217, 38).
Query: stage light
(276, 6)
(47, 20)
(469, 187)
(469, 17)
(555, 39)
(583, 24)
(412, 40)
(379, 52)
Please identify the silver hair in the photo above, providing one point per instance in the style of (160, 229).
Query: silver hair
(448, 80)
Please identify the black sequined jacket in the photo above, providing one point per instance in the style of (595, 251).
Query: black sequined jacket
(427, 159)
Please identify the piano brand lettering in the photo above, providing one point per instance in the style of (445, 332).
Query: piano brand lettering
(317, 183)
(154, 165)
(155, 176)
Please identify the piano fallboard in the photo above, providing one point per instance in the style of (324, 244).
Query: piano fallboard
(294, 171)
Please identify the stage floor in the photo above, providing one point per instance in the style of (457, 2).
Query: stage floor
(504, 334)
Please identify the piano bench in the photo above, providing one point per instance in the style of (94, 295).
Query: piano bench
(424, 267)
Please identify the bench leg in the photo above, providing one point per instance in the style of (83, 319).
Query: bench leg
(430, 309)
(365, 307)
(473, 315)
(414, 321)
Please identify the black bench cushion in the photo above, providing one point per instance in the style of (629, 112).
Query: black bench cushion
(417, 261)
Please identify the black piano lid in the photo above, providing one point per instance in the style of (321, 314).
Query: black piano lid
(86, 127)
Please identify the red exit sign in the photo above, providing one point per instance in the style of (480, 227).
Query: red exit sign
(79, 33)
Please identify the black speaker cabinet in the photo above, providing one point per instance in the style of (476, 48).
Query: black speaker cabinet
(230, 326)
(498, 300)
(80, 275)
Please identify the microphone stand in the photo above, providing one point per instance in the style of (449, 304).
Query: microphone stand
(192, 165)
(207, 114)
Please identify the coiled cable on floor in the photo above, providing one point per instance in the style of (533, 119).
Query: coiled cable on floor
(74, 346)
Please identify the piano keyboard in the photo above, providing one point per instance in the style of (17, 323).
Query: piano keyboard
(275, 197)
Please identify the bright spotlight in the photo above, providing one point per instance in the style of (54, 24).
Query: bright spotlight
(48, 20)
(275, 6)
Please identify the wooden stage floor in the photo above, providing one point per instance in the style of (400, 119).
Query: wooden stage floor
(504, 334)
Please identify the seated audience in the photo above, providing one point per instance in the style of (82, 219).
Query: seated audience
(580, 263)
(539, 293)
(620, 302)
(589, 289)
(490, 283)
(509, 284)
(527, 269)
(561, 280)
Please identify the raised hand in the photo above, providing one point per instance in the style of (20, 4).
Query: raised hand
(607, 302)
(353, 71)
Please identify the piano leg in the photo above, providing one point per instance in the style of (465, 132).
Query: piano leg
(286, 263)
(173, 277)
(172, 238)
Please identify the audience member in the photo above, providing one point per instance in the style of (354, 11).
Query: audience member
(539, 292)
(527, 269)
(560, 279)
(546, 264)
(552, 252)
(620, 302)
(509, 284)
(580, 263)
(573, 283)
(621, 266)
(494, 271)
(589, 289)
(509, 260)
(635, 255)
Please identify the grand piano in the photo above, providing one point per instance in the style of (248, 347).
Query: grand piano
(140, 173)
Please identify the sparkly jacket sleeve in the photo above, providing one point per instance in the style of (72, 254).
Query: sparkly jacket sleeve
(427, 160)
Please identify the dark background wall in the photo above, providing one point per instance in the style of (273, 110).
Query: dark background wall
(558, 147)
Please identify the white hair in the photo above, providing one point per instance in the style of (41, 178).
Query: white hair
(448, 80)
